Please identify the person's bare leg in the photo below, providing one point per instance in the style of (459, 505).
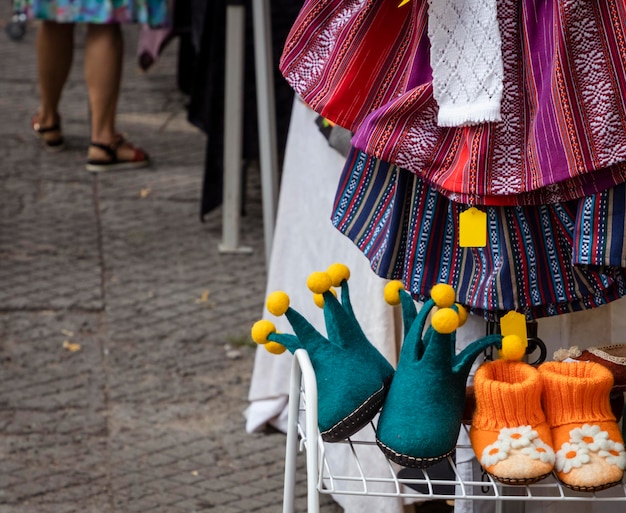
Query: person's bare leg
(104, 53)
(55, 48)
(104, 49)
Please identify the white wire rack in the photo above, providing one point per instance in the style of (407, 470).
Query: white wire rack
(326, 476)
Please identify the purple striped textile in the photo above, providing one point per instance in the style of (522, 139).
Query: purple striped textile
(349, 57)
(563, 133)
(539, 260)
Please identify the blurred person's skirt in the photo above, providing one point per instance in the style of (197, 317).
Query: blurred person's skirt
(152, 12)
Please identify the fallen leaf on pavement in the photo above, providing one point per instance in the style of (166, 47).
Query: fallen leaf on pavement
(204, 297)
(71, 346)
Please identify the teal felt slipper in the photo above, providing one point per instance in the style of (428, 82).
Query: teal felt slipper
(421, 418)
(352, 375)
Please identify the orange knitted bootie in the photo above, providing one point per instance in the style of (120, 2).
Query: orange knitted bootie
(509, 433)
(589, 447)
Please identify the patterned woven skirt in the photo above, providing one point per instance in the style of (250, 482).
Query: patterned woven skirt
(539, 260)
(152, 12)
(364, 64)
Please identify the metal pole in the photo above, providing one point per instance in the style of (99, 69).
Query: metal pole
(291, 449)
(233, 128)
(266, 117)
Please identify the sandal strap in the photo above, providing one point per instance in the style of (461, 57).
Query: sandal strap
(45, 129)
(109, 149)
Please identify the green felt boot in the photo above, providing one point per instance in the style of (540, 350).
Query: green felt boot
(421, 418)
(353, 377)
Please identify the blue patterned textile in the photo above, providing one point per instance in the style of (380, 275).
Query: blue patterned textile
(541, 260)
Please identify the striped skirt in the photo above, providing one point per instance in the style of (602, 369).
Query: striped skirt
(540, 260)
(365, 64)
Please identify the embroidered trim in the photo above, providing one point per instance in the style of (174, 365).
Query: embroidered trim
(605, 353)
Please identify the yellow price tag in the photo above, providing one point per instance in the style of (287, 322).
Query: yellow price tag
(515, 338)
(473, 228)
(514, 323)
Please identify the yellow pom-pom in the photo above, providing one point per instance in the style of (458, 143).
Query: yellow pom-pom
(261, 330)
(443, 295)
(338, 273)
(277, 303)
(319, 282)
(275, 348)
(462, 314)
(318, 299)
(445, 320)
(392, 292)
(513, 348)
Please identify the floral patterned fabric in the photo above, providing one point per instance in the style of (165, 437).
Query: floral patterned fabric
(152, 12)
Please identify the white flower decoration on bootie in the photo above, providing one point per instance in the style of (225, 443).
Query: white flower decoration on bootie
(522, 440)
(588, 444)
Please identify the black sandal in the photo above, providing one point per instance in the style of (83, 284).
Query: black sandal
(113, 162)
(51, 145)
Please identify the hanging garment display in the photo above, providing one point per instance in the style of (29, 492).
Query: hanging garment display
(539, 260)
(366, 65)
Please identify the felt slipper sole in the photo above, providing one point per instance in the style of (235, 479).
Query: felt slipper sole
(515, 481)
(358, 418)
(406, 460)
(591, 488)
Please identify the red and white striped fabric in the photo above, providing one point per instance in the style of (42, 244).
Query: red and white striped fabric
(365, 65)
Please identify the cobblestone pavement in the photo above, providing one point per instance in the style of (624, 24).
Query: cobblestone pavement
(124, 333)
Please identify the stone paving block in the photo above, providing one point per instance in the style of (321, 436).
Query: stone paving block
(67, 166)
(205, 505)
(166, 179)
(196, 478)
(95, 505)
(172, 240)
(141, 385)
(224, 475)
(52, 389)
(254, 503)
(49, 248)
(16, 125)
(53, 469)
(18, 63)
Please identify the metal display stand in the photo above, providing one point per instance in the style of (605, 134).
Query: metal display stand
(233, 122)
(303, 434)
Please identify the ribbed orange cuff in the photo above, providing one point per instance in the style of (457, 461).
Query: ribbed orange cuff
(508, 393)
(576, 392)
